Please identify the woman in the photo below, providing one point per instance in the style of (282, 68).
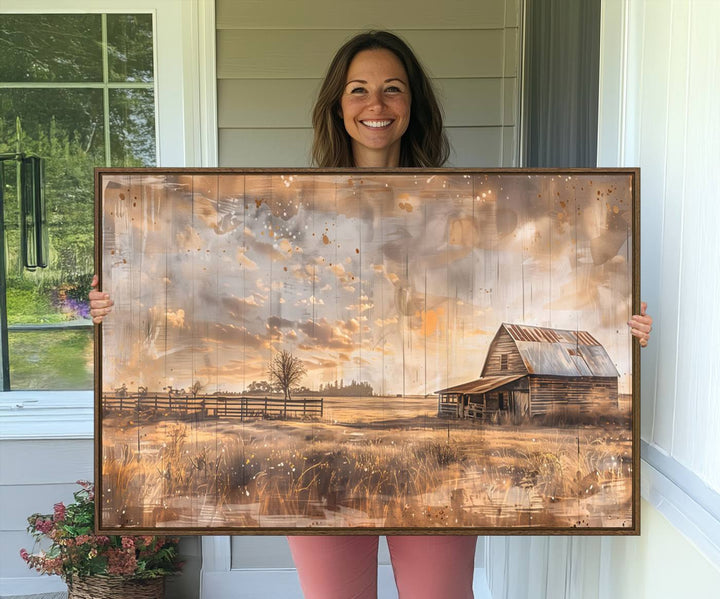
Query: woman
(376, 109)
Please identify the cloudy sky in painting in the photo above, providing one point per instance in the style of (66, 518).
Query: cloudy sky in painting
(400, 281)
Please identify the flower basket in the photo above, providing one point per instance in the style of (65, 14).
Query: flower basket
(116, 587)
(98, 566)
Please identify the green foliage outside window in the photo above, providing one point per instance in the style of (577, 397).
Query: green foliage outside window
(81, 88)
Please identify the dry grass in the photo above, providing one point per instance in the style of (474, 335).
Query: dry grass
(195, 474)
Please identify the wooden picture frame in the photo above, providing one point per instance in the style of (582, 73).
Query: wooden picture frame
(401, 351)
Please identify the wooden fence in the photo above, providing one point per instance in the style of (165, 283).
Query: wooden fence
(213, 406)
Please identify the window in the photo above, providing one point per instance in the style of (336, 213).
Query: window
(503, 361)
(77, 90)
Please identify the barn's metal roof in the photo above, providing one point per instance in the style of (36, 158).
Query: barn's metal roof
(482, 385)
(560, 352)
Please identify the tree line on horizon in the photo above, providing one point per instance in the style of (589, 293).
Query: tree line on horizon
(337, 388)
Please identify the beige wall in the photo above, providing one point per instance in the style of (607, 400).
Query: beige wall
(271, 57)
(659, 564)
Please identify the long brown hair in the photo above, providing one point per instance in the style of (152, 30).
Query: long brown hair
(424, 143)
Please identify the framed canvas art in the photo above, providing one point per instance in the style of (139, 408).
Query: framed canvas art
(404, 351)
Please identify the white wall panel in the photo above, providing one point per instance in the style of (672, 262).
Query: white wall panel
(653, 94)
(668, 123)
(544, 567)
(671, 130)
(697, 409)
(675, 99)
(559, 558)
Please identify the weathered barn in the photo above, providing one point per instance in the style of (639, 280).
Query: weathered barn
(531, 371)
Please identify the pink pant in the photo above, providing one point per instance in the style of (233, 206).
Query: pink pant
(425, 567)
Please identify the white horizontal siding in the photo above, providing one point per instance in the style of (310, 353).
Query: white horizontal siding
(400, 14)
(471, 146)
(288, 103)
(265, 147)
(50, 461)
(20, 500)
(34, 475)
(270, 54)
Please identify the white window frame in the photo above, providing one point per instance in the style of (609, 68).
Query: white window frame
(186, 130)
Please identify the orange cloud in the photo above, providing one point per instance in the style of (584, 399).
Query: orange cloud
(430, 321)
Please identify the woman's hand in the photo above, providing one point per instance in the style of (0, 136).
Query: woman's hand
(100, 303)
(641, 325)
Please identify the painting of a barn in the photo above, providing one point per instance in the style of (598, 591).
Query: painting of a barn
(532, 371)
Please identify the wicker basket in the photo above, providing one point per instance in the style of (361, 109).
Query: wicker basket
(116, 587)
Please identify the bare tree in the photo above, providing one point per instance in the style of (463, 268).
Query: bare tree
(286, 370)
(196, 388)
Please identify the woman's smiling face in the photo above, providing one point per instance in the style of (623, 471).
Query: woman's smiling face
(375, 107)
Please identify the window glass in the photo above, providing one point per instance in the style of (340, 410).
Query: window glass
(130, 48)
(132, 127)
(58, 359)
(37, 48)
(50, 333)
(51, 119)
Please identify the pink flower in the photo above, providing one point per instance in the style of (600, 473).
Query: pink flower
(53, 565)
(121, 562)
(70, 554)
(43, 526)
(59, 512)
(128, 543)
